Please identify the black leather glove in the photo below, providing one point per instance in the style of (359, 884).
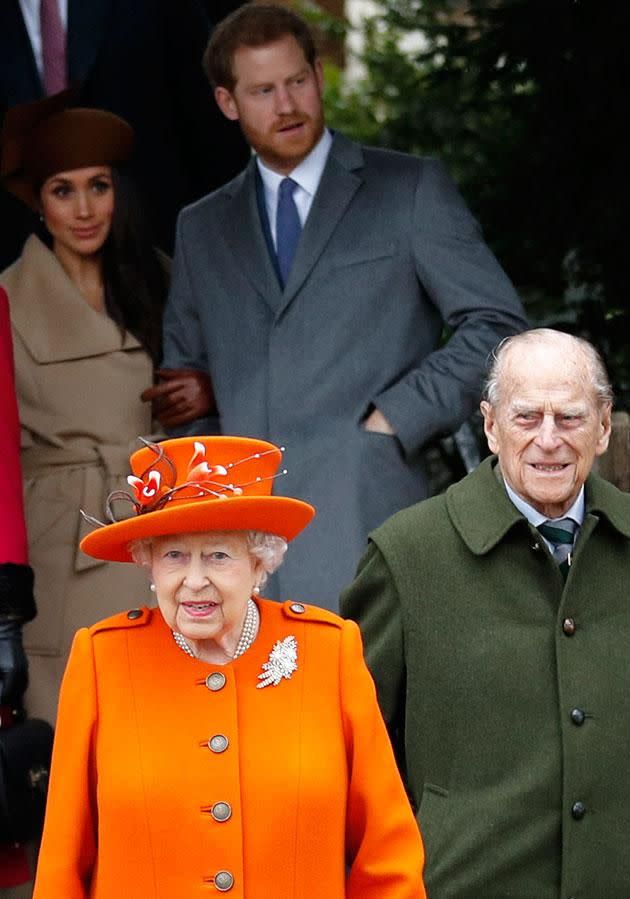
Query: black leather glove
(17, 605)
(13, 664)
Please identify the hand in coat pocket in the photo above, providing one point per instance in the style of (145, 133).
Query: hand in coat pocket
(377, 423)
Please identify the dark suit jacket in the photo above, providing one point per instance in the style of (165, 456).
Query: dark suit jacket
(142, 60)
(389, 255)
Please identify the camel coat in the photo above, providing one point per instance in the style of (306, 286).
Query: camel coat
(78, 384)
(317, 808)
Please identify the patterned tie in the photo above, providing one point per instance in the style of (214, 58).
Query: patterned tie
(288, 228)
(54, 73)
(560, 533)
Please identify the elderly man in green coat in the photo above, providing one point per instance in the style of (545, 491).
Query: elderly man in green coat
(496, 621)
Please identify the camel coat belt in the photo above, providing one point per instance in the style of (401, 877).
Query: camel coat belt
(103, 466)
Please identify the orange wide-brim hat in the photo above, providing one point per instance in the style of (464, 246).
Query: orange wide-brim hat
(197, 484)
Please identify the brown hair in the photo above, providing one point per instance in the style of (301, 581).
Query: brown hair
(252, 25)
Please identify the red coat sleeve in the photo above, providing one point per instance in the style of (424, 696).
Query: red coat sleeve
(13, 545)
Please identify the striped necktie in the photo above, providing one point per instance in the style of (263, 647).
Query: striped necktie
(560, 533)
(288, 228)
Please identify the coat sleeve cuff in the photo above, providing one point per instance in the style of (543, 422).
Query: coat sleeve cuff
(17, 600)
(414, 421)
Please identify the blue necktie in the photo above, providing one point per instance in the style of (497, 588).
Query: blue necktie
(288, 228)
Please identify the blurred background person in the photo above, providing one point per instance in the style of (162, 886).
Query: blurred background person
(222, 741)
(140, 59)
(85, 312)
(17, 604)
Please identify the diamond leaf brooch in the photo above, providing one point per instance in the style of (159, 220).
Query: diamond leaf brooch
(282, 663)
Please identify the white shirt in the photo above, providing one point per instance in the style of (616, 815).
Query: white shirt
(307, 176)
(535, 518)
(30, 14)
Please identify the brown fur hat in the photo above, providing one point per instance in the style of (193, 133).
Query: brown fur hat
(49, 136)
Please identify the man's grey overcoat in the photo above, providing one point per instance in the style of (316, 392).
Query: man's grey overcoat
(388, 255)
(507, 692)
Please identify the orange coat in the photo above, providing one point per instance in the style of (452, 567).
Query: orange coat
(318, 810)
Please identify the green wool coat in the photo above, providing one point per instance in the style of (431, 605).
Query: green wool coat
(506, 691)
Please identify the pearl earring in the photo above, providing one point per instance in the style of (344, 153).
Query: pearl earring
(152, 588)
(256, 589)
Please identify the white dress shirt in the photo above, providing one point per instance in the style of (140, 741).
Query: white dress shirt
(306, 175)
(535, 518)
(30, 14)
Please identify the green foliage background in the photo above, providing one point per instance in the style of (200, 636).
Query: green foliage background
(525, 101)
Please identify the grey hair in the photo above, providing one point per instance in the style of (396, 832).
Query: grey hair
(269, 549)
(598, 376)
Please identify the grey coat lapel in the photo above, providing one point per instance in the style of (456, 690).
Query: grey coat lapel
(340, 181)
(243, 231)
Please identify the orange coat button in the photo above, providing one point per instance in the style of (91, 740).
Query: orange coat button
(218, 743)
(223, 881)
(221, 811)
(215, 681)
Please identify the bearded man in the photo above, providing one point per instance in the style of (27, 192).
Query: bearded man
(313, 291)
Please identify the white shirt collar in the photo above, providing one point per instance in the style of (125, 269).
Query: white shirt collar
(576, 512)
(309, 172)
(307, 176)
(30, 14)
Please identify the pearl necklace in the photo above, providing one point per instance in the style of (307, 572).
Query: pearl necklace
(248, 634)
(250, 629)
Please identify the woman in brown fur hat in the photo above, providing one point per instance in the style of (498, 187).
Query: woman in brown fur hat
(85, 315)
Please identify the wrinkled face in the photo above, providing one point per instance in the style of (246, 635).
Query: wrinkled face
(547, 427)
(78, 207)
(277, 99)
(202, 583)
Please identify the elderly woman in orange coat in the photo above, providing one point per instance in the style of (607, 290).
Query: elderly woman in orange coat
(220, 743)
